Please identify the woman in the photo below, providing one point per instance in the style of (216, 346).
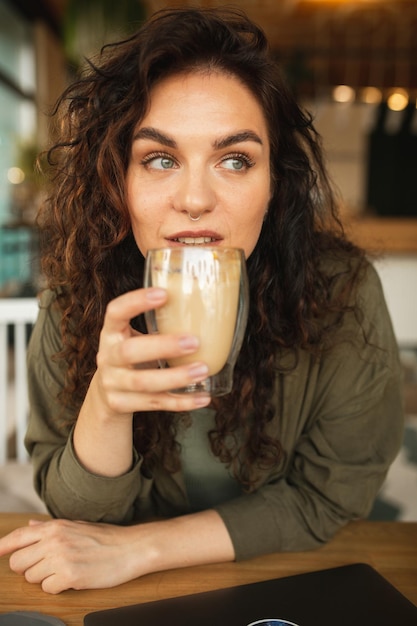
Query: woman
(185, 133)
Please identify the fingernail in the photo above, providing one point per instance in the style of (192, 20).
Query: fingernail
(198, 371)
(188, 343)
(155, 294)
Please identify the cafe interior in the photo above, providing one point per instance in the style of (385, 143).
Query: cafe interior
(353, 64)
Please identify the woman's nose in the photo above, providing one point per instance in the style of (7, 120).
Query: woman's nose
(195, 193)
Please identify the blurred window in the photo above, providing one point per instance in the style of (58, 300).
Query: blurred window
(17, 124)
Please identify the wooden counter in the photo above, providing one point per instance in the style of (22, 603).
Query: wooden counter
(383, 234)
(390, 547)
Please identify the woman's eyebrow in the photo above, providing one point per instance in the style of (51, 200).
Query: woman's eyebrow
(148, 132)
(244, 135)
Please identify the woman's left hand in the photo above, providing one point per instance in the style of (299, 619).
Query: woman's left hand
(62, 554)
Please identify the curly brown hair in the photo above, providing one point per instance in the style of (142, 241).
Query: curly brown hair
(89, 254)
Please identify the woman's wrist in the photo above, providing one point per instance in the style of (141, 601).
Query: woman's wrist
(103, 442)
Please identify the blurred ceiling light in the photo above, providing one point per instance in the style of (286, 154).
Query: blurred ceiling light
(371, 95)
(343, 93)
(15, 175)
(398, 100)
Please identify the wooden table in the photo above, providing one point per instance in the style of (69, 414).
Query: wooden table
(390, 547)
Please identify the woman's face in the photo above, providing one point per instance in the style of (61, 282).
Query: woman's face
(201, 150)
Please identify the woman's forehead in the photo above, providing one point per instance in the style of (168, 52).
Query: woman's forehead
(213, 93)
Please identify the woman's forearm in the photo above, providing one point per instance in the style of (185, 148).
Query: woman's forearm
(195, 539)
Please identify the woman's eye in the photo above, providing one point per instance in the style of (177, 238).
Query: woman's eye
(236, 163)
(159, 162)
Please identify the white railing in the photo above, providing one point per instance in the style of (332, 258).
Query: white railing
(15, 316)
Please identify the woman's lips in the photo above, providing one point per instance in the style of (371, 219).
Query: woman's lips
(195, 238)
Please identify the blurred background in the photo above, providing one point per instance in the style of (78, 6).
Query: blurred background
(353, 64)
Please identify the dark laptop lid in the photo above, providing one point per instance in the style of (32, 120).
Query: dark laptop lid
(352, 595)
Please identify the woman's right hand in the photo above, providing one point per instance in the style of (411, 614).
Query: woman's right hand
(127, 361)
(128, 380)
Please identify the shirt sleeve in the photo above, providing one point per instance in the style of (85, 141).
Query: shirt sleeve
(65, 486)
(348, 409)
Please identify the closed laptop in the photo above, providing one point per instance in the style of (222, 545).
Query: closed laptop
(351, 595)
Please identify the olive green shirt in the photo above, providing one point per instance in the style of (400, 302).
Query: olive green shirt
(339, 419)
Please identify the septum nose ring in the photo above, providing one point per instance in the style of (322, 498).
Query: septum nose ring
(194, 219)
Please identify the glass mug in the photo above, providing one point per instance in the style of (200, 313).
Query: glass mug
(208, 296)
